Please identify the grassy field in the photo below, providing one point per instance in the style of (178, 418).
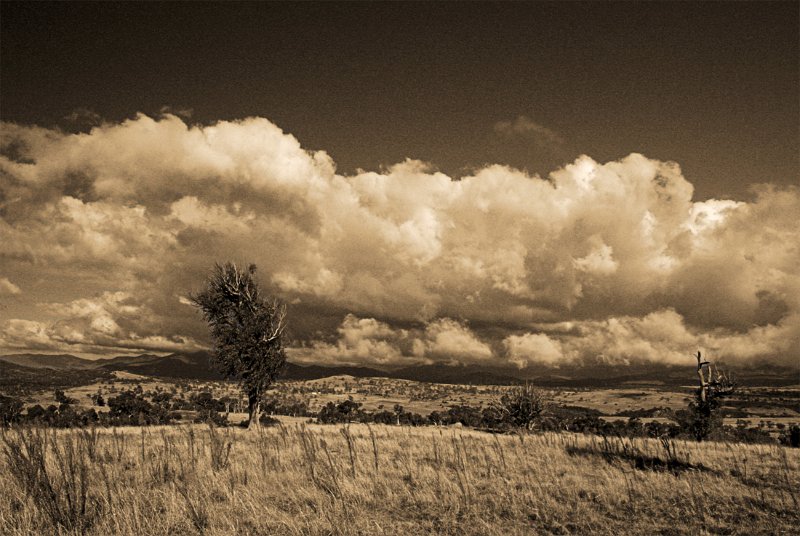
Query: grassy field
(423, 397)
(313, 479)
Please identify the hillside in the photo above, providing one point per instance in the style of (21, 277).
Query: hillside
(52, 361)
(197, 366)
(359, 479)
(18, 380)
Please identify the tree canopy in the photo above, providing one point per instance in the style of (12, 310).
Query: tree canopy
(247, 330)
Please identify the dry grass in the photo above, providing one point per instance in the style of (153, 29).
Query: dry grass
(309, 479)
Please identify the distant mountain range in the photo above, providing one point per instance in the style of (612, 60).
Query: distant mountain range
(197, 366)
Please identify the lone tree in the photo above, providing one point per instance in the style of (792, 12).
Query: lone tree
(704, 416)
(247, 330)
(522, 406)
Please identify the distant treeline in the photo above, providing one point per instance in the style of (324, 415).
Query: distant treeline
(135, 408)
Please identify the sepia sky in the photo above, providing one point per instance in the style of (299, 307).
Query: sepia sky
(507, 184)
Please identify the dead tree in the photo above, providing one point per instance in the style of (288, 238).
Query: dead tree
(714, 385)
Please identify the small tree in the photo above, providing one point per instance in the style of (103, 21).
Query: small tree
(522, 406)
(247, 331)
(62, 398)
(704, 417)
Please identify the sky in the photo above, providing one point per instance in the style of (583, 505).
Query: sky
(539, 184)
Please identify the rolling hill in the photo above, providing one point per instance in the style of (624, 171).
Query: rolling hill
(18, 379)
(52, 361)
(197, 366)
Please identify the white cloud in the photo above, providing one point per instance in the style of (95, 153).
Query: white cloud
(658, 337)
(599, 260)
(145, 207)
(113, 320)
(372, 342)
(446, 339)
(538, 348)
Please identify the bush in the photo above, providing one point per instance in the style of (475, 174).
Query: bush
(492, 417)
(36, 413)
(466, 415)
(204, 401)
(791, 437)
(266, 420)
(590, 424)
(10, 410)
(345, 411)
(522, 406)
(292, 407)
(131, 408)
(212, 417)
(63, 416)
(702, 419)
(62, 398)
(384, 417)
(741, 434)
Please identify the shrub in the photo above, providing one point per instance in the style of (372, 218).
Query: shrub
(384, 417)
(466, 415)
(10, 410)
(435, 418)
(492, 417)
(266, 420)
(131, 408)
(791, 437)
(62, 398)
(345, 411)
(741, 434)
(589, 424)
(205, 401)
(212, 417)
(36, 413)
(522, 406)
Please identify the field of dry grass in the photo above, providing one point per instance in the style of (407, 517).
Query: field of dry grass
(313, 479)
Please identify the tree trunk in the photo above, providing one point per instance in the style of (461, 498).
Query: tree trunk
(703, 387)
(253, 407)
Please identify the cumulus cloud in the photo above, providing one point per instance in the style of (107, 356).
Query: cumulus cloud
(658, 337)
(598, 261)
(539, 348)
(102, 337)
(360, 341)
(367, 341)
(447, 339)
(113, 321)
